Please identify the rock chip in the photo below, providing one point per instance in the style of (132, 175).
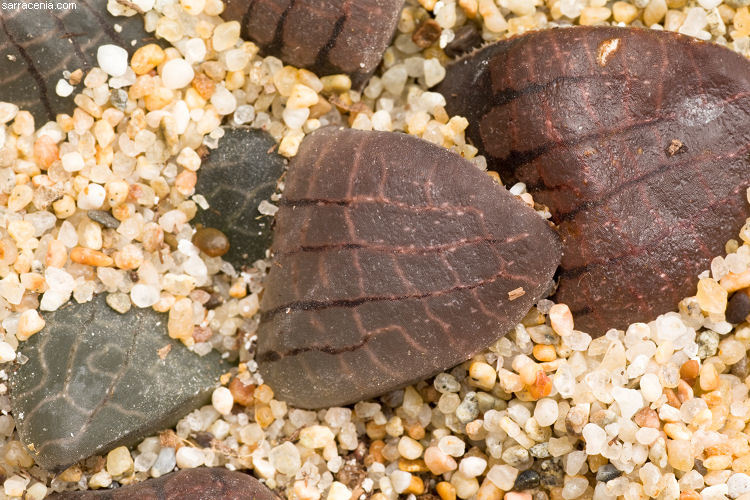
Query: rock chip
(637, 140)
(202, 483)
(337, 36)
(738, 307)
(391, 252)
(36, 47)
(235, 178)
(94, 381)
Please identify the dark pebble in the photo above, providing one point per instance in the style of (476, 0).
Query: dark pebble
(698, 466)
(214, 301)
(527, 480)
(203, 439)
(467, 38)
(119, 99)
(551, 473)
(104, 218)
(607, 472)
(211, 241)
(738, 307)
(426, 33)
(741, 368)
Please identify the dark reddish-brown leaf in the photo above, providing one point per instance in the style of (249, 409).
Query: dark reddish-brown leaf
(394, 259)
(201, 483)
(326, 36)
(638, 142)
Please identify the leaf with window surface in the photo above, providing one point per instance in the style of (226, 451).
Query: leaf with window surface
(328, 37)
(394, 259)
(637, 140)
(36, 47)
(94, 380)
(202, 483)
(235, 178)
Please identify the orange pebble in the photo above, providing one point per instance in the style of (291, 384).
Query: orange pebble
(90, 257)
(542, 386)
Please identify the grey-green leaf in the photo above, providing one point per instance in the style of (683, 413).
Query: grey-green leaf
(94, 380)
(235, 178)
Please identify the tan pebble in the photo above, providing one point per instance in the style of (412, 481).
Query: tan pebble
(336, 83)
(544, 352)
(119, 462)
(153, 237)
(416, 486)
(29, 323)
(517, 495)
(89, 257)
(717, 462)
(414, 466)
(594, 15)
(376, 431)
(46, 151)
(680, 454)
(414, 430)
(23, 263)
(147, 58)
(542, 386)
(646, 417)
(21, 231)
(561, 319)
(130, 257)
(742, 464)
(438, 462)
(180, 323)
(263, 415)
(263, 394)
(117, 192)
(71, 475)
(34, 282)
(733, 282)
(677, 431)
(305, 490)
(56, 255)
(238, 289)
(64, 207)
(375, 451)
(241, 392)
(690, 495)
(475, 430)
(625, 12)
(123, 212)
(488, 491)
(470, 7)
(684, 391)
(672, 398)
(711, 296)
(185, 182)
(689, 370)
(709, 378)
(482, 375)
(446, 490)
(204, 85)
(302, 96)
(654, 12)
(159, 98)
